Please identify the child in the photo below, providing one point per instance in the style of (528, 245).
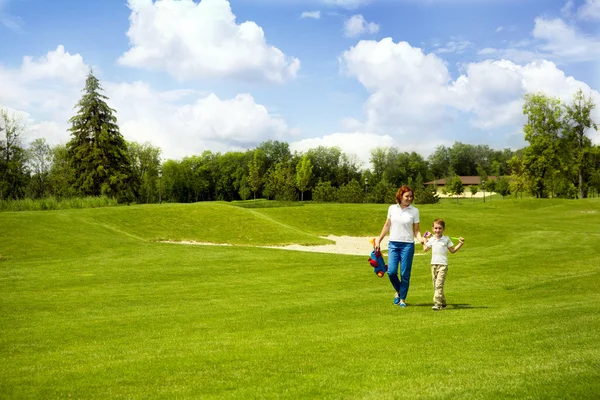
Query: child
(439, 260)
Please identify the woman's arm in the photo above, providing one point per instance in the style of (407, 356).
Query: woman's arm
(417, 232)
(384, 231)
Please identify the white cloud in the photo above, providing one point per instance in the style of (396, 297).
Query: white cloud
(590, 10)
(454, 46)
(493, 90)
(10, 21)
(186, 123)
(356, 25)
(406, 85)
(567, 9)
(13, 23)
(413, 99)
(55, 64)
(358, 144)
(181, 122)
(348, 4)
(47, 87)
(487, 51)
(311, 14)
(553, 39)
(197, 40)
(565, 42)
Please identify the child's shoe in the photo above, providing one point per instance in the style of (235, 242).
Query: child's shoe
(397, 300)
(437, 307)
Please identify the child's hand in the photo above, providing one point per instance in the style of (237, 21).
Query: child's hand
(461, 240)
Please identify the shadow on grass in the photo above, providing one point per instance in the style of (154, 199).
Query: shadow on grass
(456, 306)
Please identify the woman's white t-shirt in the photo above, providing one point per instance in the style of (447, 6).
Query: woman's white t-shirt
(401, 229)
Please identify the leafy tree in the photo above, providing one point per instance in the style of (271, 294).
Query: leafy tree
(40, 162)
(303, 175)
(456, 187)
(383, 193)
(426, 195)
(594, 179)
(351, 193)
(326, 162)
(244, 190)
(398, 168)
(378, 159)
(439, 162)
(172, 184)
(578, 120)
(462, 159)
(496, 168)
(254, 173)
(145, 162)
(97, 151)
(61, 175)
(542, 130)
(324, 192)
(503, 186)
(491, 186)
(274, 152)
(474, 189)
(280, 183)
(228, 175)
(200, 170)
(348, 169)
(518, 180)
(13, 173)
(483, 176)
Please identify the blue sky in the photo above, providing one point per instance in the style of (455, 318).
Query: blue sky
(190, 76)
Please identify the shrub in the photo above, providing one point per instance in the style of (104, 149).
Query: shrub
(426, 195)
(351, 193)
(324, 192)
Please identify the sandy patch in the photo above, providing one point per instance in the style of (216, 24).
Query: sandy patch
(351, 245)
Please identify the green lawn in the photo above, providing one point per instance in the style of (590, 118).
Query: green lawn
(94, 305)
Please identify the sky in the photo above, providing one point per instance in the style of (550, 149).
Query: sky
(190, 76)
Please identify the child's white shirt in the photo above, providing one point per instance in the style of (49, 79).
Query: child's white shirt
(439, 249)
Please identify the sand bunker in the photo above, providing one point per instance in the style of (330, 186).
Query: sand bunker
(351, 245)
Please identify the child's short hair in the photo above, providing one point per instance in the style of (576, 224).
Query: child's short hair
(440, 221)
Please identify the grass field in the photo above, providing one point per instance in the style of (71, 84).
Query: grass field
(94, 305)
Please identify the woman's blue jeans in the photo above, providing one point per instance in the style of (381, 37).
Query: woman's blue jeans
(400, 253)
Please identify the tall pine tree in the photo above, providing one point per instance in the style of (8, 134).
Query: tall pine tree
(97, 151)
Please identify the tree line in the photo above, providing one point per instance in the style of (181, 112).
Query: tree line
(560, 161)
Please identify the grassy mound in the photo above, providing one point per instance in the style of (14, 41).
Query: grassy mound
(93, 306)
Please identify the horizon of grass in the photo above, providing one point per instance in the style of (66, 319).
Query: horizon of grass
(92, 306)
(55, 203)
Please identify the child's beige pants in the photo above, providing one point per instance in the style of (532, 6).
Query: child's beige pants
(438, 276)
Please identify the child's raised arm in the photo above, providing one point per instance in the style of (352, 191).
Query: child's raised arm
(454, 249)
(425, 239)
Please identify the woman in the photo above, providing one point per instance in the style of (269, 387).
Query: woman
(403, 225)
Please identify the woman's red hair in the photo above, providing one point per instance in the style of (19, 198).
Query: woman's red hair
(403, 189)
